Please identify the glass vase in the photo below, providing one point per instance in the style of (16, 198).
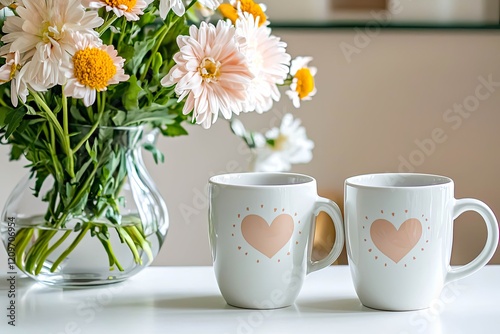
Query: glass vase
(102, 226)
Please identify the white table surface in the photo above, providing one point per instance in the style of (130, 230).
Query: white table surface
(187, 300)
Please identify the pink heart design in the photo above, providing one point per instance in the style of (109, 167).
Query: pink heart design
(393, 243)
(267, 239)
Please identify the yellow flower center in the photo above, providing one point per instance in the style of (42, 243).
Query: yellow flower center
(50, 31)
(93, 67)
(247, 6)
(14, 68)
(121, 4)
(279, 143)
(305, 82)
(209, 69)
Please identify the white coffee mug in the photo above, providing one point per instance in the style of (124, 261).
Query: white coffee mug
(399, 235)
(261, 233)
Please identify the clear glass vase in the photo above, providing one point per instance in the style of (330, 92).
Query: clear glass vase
(102, 226)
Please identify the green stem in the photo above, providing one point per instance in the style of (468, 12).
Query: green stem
(108, 22)
(71, 162)
(122, 31)
(43, 105)
(63, 135)
(111, 255)
(89, 133)
(70, 248)
(139, 239)
(37, 249)
(126, 237)
(21, 241)
(162, 32)
(47, 252)
(59, 174)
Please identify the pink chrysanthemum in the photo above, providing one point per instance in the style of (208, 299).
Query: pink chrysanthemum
(268, 61)
(211, 71)
(93, 68)
(131, 9)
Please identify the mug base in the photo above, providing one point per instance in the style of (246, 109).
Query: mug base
(395, 309)
(251, 307)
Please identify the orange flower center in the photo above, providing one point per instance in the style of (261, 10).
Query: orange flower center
(209, 69)
(305, 82)
(126, 5)
(93, 67)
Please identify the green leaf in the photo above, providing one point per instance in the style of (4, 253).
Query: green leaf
(82, 170)
(141, 48)
(174, 130)
(155, 113)
(16, 153)
(31, 110)
(3, 115)
(77, 227)
(13, 120)
(147, 18)
(130, 99)
(75, 113)
(157, 154)
(41, 176)
(91, 151)
(157, 63)
(119, 117)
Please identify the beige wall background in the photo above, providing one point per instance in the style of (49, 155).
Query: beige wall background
(368, 115)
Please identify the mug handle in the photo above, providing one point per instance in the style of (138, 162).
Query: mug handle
(469, 204)
(333, 210)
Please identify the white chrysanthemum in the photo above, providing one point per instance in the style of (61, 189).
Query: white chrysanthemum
(177, 6)
(131, 9)
(93, 68)
(281, 147)
(42, 33)
(268, 61)
(303, 87)
(5, 3)
(210, 71)
(12, 71)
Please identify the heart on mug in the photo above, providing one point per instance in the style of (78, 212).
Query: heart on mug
(267, 238)
(396, 243)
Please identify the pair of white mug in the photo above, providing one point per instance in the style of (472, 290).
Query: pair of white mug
(398, 231)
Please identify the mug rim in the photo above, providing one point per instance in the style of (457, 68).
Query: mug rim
(219, 179)
(428, 181)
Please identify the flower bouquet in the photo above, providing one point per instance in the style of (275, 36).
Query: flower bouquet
(83, 84)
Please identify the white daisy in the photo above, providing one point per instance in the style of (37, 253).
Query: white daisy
(268, 61)
(131, 9)
(281, 147)
(92, 69)
(42, 33)
(237, 8)
(302, 87)
(12, 71)
(177, 6)
(210, 71)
